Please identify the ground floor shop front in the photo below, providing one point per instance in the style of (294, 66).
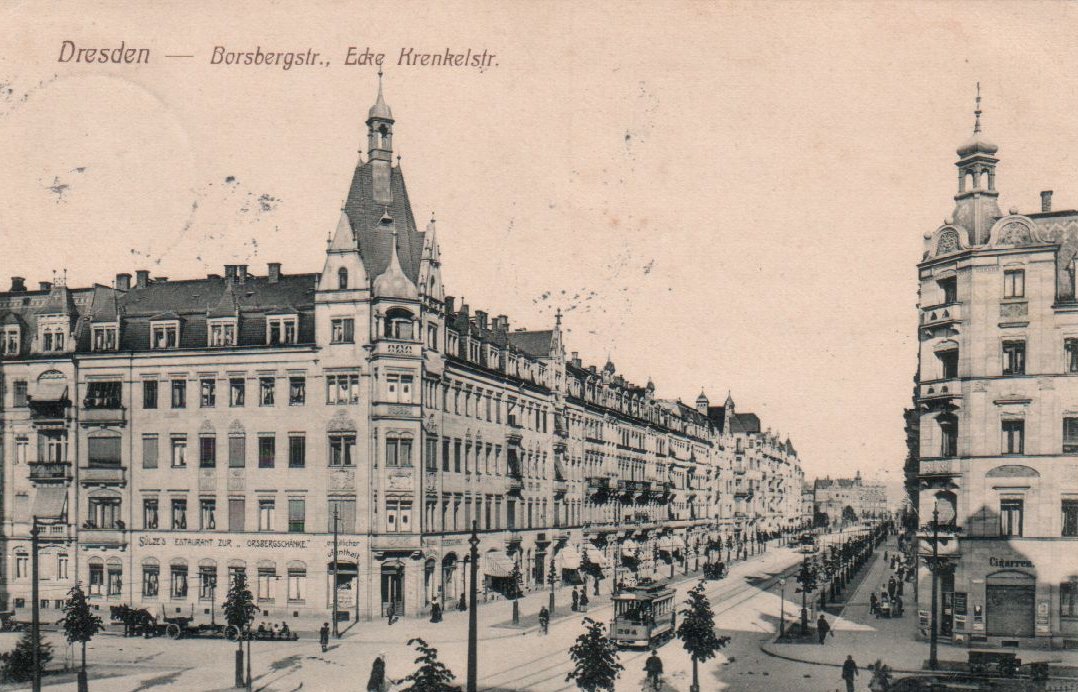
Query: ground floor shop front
(1005, 592)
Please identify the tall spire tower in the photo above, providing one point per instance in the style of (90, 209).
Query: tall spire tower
(976, 205)
(380, 128)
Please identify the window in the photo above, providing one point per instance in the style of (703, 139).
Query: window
(398, 516)
(62, 563)
(948, 425)
(297, 511)
(103, 450)
(1014, 357)
(950, 290)
(179, 582)
(281, 330)
(432, 336)
(399, 388)
(149, 451)
(104, 513)
(266, 508)
(19, 393)
(398, 324)
(345, 511)
(115, 578)
(297, 584)
(105, 338)
(1014, 432)
(207, 451)
(151, 581)
(149, 514)
(97, 577)
(342, 450)
(164, 335)
(297, 391)
(297, 450)
(208, 392)
(207, 582)
(179, 393)
(445, 455)
(430, 454)
(237, 511)
(398, 452)
(1068, 599)
(342, 389)
(237, 451)
(222, 332)
(9, 343)
(207, 514)
(52, 339)
(104, 395)
(266, 387)
(1010, 517)
(342, 330)
(22, 565)
(456, 456)
(267, 450)
(1070, 350)
(179, 451)
(342, 278)
(266, 577)
(179, 514)
(1014, 283)
(1070, 518)
(149, 394)
(948, 363)
(236, 389)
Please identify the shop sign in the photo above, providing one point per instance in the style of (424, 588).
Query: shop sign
(214, 541)
(1042, 618)
(998, 562)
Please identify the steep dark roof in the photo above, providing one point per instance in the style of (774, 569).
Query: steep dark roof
(365, 214)
(535, 344)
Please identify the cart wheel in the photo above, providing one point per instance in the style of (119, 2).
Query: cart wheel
(173, 631)
(232, 633)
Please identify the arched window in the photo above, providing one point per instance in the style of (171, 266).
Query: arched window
(342, 278)
(398, 324)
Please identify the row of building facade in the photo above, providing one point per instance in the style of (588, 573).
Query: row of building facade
(166, 435)
(838, 500)
(994, 429)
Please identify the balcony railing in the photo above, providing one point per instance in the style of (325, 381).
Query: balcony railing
(108, 475)
(114, 537)
(940, 467)
(938, 315)
(50, 471)
(103, 416)
(941, 389)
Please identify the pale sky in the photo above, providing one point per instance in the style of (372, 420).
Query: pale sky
(728, 196)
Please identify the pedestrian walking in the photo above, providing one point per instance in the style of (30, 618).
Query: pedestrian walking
(584, 601)
(822, 628)
(462, 605)
(323, 636)
(596, 583)
(377, 681)
(849, 672)
(435, 610)
(576, 599)
(654, 668)
(892, 587)
(873, 605)
(391, 614)
(544, 620)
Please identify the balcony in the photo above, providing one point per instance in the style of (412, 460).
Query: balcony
(103, 416)
(561, 487)
(940, 315)
(939, 467)
(939, 390)
(948, 537)
(46, 471)
(389, 347)
(513, 537)
(114, 538)
(391, 542)
(102, 475)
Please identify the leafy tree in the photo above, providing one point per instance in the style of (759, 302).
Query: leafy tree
(79, 623)
(18, 665)
(516, 583)
(239, 606)
(849, 515)
(595, 659)
(432, 675)
(697, 631)
(806, 578)
(552, 575)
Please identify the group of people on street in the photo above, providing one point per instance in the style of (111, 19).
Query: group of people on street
(580, 600)
(889, 603)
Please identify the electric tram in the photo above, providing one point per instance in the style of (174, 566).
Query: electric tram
(644, 616)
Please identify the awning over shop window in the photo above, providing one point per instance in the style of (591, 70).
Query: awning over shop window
(595, 556)
(50, 392)
(569, 558)
(629, 548)
(497, 565)
(664, 544)
(50, 504)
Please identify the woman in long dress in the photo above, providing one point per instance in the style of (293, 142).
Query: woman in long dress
(377, 680)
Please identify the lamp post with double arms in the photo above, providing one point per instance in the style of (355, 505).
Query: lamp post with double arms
(473, 622)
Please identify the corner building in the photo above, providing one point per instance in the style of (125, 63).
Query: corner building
(997, 407)
(171, 434)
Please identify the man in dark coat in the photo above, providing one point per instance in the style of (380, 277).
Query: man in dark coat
(576, 599)
(377, 681)
(544, 620)
(323, 636)
(892, 586)
(849, 672)
(822, 628)
(654, 668)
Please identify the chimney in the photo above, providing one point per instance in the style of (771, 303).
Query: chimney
(44, 285)
(18, 284)
(1046, 200)
(142, 278)
(123, 282)
(501, 323)
(230, 272)
(241, 273)
(464, 309)
(273, 274)
(481, 319)
(450, 305)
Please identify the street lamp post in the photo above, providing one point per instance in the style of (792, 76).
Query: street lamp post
(473, 622)
(35, 614)
(933, 641)
(782, 607)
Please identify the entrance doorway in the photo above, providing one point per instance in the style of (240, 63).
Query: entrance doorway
(1010, 609)
(392, 589)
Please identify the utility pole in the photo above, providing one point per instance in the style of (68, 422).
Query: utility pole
(933, 643)
(336, 580)
(473, 622)
(35, 617)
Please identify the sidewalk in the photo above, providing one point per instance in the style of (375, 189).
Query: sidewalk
(867, 638)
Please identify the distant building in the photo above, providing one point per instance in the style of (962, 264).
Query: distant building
(808, 505)
(865, 500)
